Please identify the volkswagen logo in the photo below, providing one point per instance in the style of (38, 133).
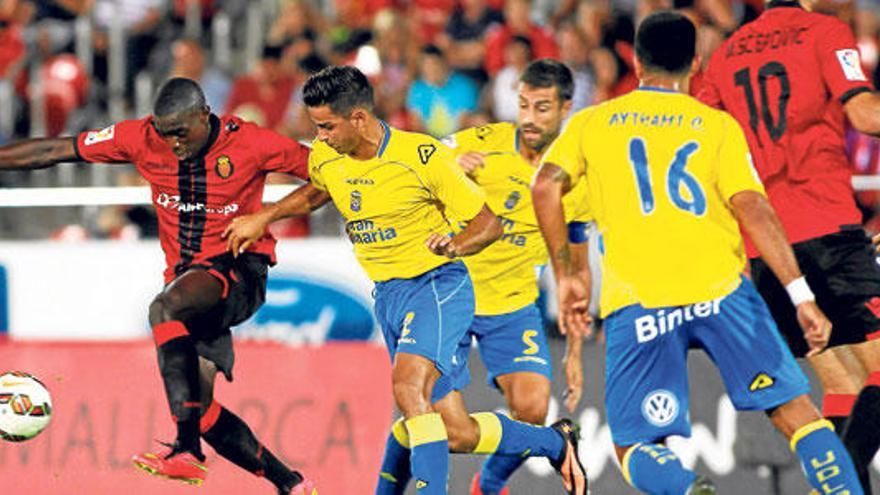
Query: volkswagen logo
(660, 408)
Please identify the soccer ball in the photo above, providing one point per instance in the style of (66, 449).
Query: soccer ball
(25, 406)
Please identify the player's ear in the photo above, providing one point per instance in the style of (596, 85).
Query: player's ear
(358, 118)
(566, 107)
(638, 68)
(695, 65)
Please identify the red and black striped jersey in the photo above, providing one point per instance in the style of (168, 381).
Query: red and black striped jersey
(783, 77)
(195, 199)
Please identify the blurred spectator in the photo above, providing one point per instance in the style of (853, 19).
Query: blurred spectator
(439, 98)
(297, 20)
(65, 86)
(142, 22)
(399, 59)
(574, 51)
(188, 60)
(517, 22)
(430, 16)
(464, 37)
(262, 96)
(12, 48)
(517, 55)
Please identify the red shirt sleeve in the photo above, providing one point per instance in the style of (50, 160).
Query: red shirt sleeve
(839, 60)
(283, 154)
(708, 91)
(495, 42)
(113, 144)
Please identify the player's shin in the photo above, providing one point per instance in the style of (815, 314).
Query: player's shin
(179, 366)
(395, 471)
(654, 469)
(429, 455)
(862, 433)
(502, 435)
(825, 461)
(232, 439)
(497, 469)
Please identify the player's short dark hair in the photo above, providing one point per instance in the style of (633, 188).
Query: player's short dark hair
(341, 88)
(666, 41)
(432, 50)
(549, 73)
(178, 94)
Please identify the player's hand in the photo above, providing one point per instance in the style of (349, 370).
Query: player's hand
(816, 327)
(441, 245)
(243, 231)
(471, 161)
(574, 380)
(573, 296)
(876, 241)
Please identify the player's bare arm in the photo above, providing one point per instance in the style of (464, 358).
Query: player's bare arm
(574, 371)
(32, 154)
(572, 289)
(757, 218)
(245, 230)
(863, 111)
(482, 230)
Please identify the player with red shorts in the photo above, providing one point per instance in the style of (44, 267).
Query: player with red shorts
(203, 171)
(789, 78)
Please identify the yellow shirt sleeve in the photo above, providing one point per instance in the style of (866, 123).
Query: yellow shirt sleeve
(317, 157)
(460, 196)
(566, 151)
(736, 172)
(575, 204)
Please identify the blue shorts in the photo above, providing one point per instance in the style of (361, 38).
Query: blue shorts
(646, 388)
(508, 343)
(428, 315)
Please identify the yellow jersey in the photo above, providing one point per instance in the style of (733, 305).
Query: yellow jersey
(392, 202)
(660, 169)
(505, 273)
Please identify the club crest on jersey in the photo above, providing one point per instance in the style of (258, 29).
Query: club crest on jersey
(483, 131)
(224, 167)
(512, 200)
(425, 152)
(356, 199)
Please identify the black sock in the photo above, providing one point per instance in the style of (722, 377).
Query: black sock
(232, 439)
(862, 433)
(179, 366)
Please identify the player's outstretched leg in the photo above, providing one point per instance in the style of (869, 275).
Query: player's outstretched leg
(527, 395)
(233, 439)
(395, 473)
(190, 294)
(493, 433)
(825, 461)
(653, 468)
(412, 378)
(862, 433)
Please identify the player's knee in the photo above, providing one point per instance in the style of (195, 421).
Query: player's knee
(463, 437)
(409, 397)
(532, 409)
(167, 306)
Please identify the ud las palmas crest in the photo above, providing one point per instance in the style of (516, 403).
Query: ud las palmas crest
(356, 201)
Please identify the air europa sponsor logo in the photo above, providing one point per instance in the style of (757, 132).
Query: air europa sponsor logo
(172, 202)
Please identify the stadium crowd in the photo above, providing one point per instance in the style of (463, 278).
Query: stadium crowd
(438, 65)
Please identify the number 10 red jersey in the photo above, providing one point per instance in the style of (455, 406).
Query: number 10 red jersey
(784, 78)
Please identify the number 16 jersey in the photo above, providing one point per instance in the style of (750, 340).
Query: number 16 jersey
(783, 77)
(660, 169)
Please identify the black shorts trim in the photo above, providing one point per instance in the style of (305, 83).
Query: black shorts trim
(842, 271)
